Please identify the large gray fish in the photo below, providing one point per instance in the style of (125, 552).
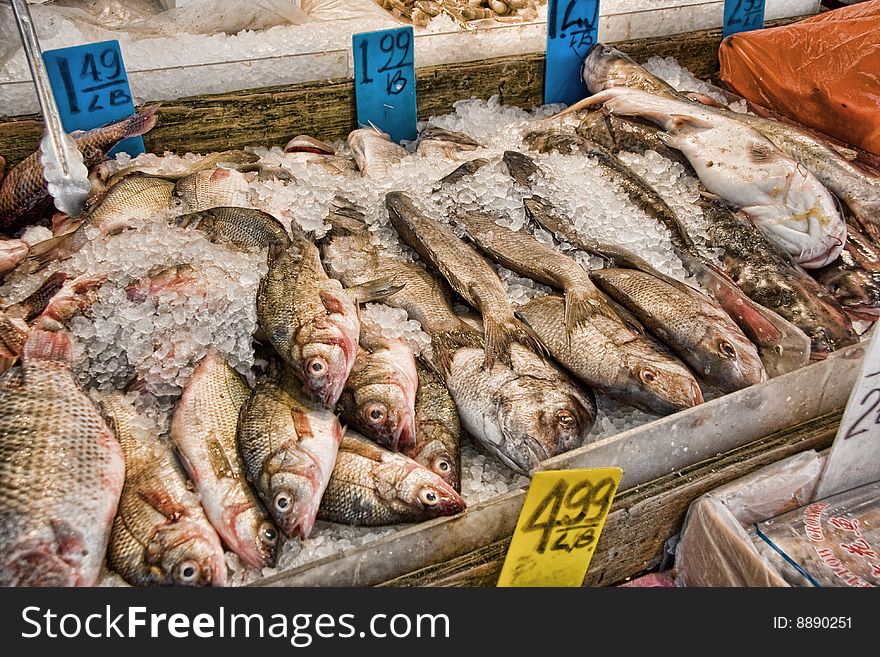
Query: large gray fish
(771, 278)
(523, 412)
(691, 323)
(439, 142)
(466, 271)
(61, 472)
(371, 486)
(605, 67)
(240, 228)
(23, 190)
(380, 394)
(854, 278)
(783, 347)
(161, 536)
(310, 320)
(210, 188)
(438, 428)
(288, 446)
(203, 431)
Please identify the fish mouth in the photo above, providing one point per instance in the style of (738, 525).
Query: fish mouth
(450, 503)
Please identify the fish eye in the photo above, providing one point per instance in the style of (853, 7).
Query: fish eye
(834, 288)
(428, 497)
(727, 349)
(316, 367)
(268, 533)
(565, 419)
(282, 501)
(442, 465)
(375, 413)
(187, 571)
(647, 375)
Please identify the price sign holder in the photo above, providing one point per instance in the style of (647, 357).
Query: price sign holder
(854, 459)
(743, 16)
(91, 89)
(572, 29)
(385, 81)
(559, 526)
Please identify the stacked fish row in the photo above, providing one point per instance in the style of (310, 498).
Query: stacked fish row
(520, 380)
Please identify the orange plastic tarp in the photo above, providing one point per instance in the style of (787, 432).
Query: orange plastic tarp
(823, 72)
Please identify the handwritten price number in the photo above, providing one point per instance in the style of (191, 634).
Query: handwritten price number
(751, 13)
(572, 513)
(873, 393)
(104, 72)
(579, 28)
(389, 44)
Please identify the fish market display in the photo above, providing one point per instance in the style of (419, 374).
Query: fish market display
(509, 286)
(61, 471)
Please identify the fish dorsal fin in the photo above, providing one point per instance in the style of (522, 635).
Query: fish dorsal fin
(762, 153)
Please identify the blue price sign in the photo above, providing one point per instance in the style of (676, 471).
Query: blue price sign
(572, 29)
(742, 16)
(91, 88)
(385, 81)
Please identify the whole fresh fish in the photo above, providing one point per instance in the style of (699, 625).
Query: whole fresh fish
(307, 144)
(380, 394)
(12, 254)
(439, 142)
(373, 151)
(371, 486)
(738, 164)
(136, 197)
(288, 446)
(23, 191)
(241, 228)
(854, 278)
(161, 536)
(310, 320)
(523, 254)
(203, 431)
(461, 172)
(61, 472)
(624, 364)
(210, 188)
(467, 272)
(690, 323)
(605, 67)
(768, 276)
(520, 167)
(438, 428)
(618, 133)
(782, 346)
(522, 412)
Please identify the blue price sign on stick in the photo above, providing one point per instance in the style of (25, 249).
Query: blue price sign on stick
(385, 81)
(742, 16)
(572, 29)
(91, 88)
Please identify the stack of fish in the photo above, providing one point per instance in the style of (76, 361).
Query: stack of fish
(251, 457)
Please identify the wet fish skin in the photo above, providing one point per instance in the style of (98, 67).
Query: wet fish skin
(520, 167)
(469, 168)
(23, 190)
(689, 322)
(467, 272)
(618, 133)
(371, 486)
(438, 428)
(160, 536)
(210, 188)
(36, 303)
(633, 368)
(439, 142)
(12, 254)
(380, 394)
(203, 431)
(769, 277)
(288, 446)
(310, 320)
(105, 176)
(854, 278)
(373, 151)
(241, 228)
(51, 434)
(605, 67)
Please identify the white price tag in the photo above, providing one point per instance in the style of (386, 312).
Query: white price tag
(855, 455)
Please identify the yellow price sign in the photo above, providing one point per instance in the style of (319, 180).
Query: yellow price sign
(559, 526)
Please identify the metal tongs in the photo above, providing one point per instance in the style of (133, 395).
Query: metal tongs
(64, 169)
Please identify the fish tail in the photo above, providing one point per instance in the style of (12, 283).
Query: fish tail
(376, 290)
(47, 346)
(581, 305)
(447, 343)
(501, 333)
(44, 252)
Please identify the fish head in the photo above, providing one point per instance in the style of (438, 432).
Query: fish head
(210, 188)
(436, 457)
(734, 361)
(290, 488)
(306, 144)
(854, 288)
(186, 553)
(606, 67)
(257, 538)
(385, 413)
(427, 493)
(661, 385)
(370, 146)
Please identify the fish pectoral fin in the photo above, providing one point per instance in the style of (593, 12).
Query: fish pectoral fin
(70, 540)
(762, 153)
(376, 290)
(682, 124)
(43, 253)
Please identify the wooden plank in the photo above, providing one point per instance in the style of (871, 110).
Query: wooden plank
(642, 518)
(325, 109)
